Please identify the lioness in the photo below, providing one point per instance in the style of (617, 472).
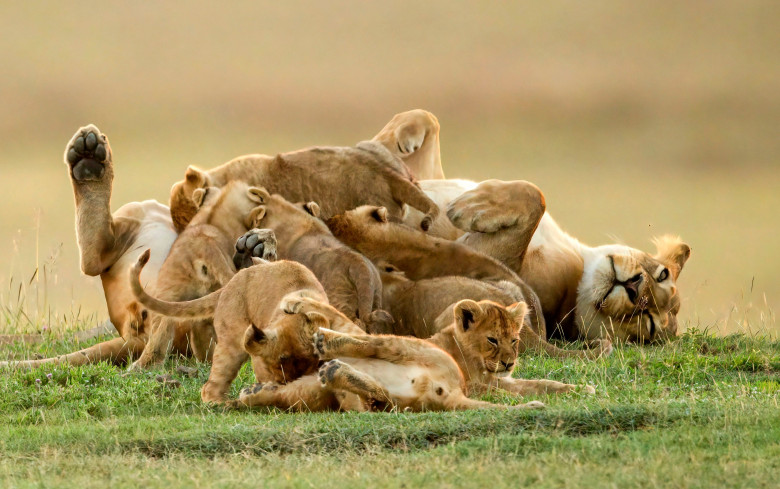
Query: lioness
(610, 291)
(425, 307)
(364, 372)
(350, 280)
(251, 297)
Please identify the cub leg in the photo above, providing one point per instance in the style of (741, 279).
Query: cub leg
(499, 218)
(117, 351)
(228, 358)
(525, 387)
(203, 340)
(160, 343)
(304, 394)
(413, 136)
(337, 375)
(460, 403)
(101, 238)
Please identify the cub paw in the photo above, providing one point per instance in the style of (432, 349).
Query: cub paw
(252, 389)
(328, 371)
(588, 389)
(87, 154)
(255, 243)
(318, 339)
(602, 347)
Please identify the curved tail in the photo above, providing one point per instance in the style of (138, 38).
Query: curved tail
(197, 308)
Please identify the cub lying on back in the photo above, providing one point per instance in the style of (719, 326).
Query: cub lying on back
(337, 178)
(350, 280)
(250, 297)
(365, 372)
(483, 337)
(425, 307)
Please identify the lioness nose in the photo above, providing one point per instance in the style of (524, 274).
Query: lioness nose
(632, 287)
(507, 365)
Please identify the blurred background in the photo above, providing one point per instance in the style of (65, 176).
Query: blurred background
(635, 119)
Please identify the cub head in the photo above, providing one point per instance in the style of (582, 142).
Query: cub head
(631, 295)
(183, 208)
(489, 333)
(286, 347)
(275, 212)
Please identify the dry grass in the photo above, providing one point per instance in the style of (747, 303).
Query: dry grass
(634, 119)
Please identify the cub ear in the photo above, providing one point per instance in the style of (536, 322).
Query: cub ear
(379, 214)
(196, 177)
(672, 252)
(466, 313)
(312, 208)
(255, 339)
(314, 321)
(198, 196)
(258, 194)
(518, 310)
(255, 216)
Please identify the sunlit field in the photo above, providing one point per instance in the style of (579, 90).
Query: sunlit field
(634, 119)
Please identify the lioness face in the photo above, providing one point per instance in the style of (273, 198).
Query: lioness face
(491, 332)
(631, 294)
(285, 346)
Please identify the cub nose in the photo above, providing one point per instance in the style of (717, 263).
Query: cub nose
(507, 366)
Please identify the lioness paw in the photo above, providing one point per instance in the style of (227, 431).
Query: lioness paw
(588, 389)
(602, 347)
(255, 243)
(252, 389)
(87, 154)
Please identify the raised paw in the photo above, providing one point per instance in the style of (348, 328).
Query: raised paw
(255, 243)
(494, 205)
(87, 154)
(328, 371)
(319, 343)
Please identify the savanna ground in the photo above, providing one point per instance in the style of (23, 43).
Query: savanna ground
(635, 120)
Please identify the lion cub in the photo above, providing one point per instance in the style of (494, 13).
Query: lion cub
(422, 308)
(363, 372)
(250, 297)
(350, 280)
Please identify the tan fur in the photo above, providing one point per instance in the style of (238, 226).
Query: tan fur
(364, 372)
(249, 299)
(337, 178)
(350, 280)
(569, 278)
(200, 262)
(413, 136)
(425, 307)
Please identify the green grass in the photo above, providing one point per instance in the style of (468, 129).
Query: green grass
(699, 412)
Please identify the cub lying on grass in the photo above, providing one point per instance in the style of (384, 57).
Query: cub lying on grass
(250, 297)
(379, 372)
(422, 308)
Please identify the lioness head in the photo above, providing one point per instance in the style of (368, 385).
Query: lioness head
(285, 346)
(490, 332)
(629, 294)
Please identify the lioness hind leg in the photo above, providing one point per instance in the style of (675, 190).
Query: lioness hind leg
(117, 351)
(340, 376)
(413, 136)
(101, 240)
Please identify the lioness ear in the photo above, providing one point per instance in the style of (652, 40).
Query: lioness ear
(255, 216)
(379, 214)
(312, 208)
(258, 194)
(518, 310)
(672, 252)
(466, 313)
(254, 338)
(195, 176)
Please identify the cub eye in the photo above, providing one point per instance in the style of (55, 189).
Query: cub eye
(664, 275)
(514, 341)
(492, 341)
